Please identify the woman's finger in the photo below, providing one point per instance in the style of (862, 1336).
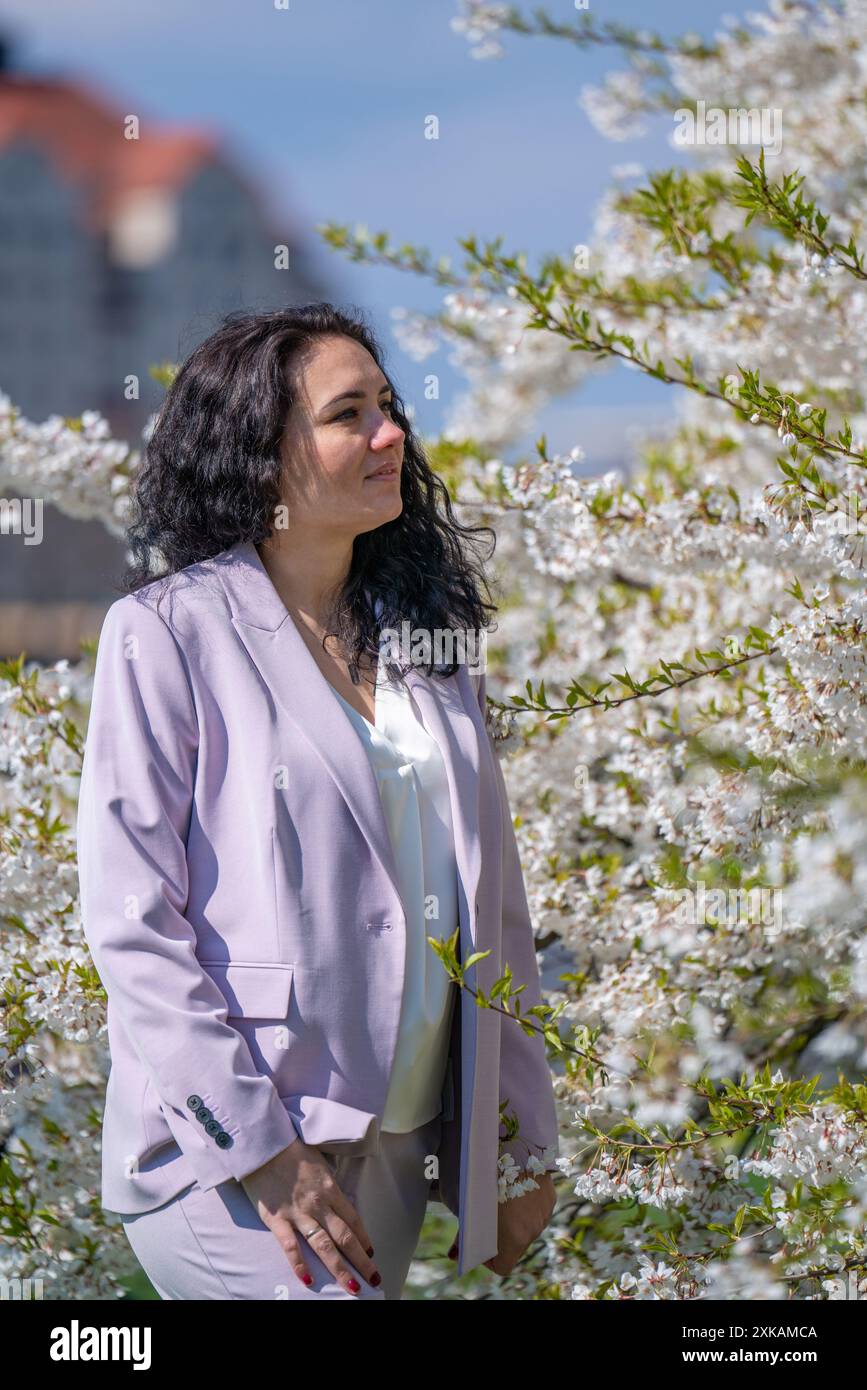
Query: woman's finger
(333, 1249)
(284, 1232)
(348, 1213)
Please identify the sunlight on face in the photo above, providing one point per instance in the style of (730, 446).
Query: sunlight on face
(338, 432)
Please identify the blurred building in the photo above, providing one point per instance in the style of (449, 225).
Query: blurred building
(116, 254)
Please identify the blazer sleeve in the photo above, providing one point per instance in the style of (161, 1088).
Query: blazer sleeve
(134, 810)
(525, 1075)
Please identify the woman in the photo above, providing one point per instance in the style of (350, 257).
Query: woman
(274, 815)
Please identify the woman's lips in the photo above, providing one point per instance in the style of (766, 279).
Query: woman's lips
(383, 474)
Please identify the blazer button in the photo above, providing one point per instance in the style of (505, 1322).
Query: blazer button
(223, 1140)
(204, 1114)
(194, 1102)
(212, 1127)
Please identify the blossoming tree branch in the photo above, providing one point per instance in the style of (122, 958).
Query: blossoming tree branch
(680, 700)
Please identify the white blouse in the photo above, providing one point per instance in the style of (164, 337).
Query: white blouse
(414, 790)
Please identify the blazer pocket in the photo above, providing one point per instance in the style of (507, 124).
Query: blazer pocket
(156, 1130)
(253, 989)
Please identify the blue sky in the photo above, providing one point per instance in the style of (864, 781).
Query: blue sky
(324, 102)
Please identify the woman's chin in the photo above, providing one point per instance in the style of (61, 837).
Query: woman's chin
(386, 508)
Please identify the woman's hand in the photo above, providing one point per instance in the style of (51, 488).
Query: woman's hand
(520, 1220)
(295, 1191)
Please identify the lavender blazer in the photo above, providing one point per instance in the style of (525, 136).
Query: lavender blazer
(239, 897)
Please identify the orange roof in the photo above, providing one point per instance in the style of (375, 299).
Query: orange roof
(82, 135)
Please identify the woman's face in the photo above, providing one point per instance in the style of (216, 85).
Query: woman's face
(338, 432)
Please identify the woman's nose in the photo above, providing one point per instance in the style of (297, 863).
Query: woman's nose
(388, 433)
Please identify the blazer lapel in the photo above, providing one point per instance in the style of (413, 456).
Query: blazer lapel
(297, 685)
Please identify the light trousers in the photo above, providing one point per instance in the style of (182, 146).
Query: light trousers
(213, 1245)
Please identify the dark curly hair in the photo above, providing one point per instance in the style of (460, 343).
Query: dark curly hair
(211, 472)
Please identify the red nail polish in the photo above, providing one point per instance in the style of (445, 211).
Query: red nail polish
(353, 1284)
(307, 1278)
(370, 1251)
(376, 1278)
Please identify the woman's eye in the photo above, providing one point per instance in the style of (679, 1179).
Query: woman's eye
(350, 410)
